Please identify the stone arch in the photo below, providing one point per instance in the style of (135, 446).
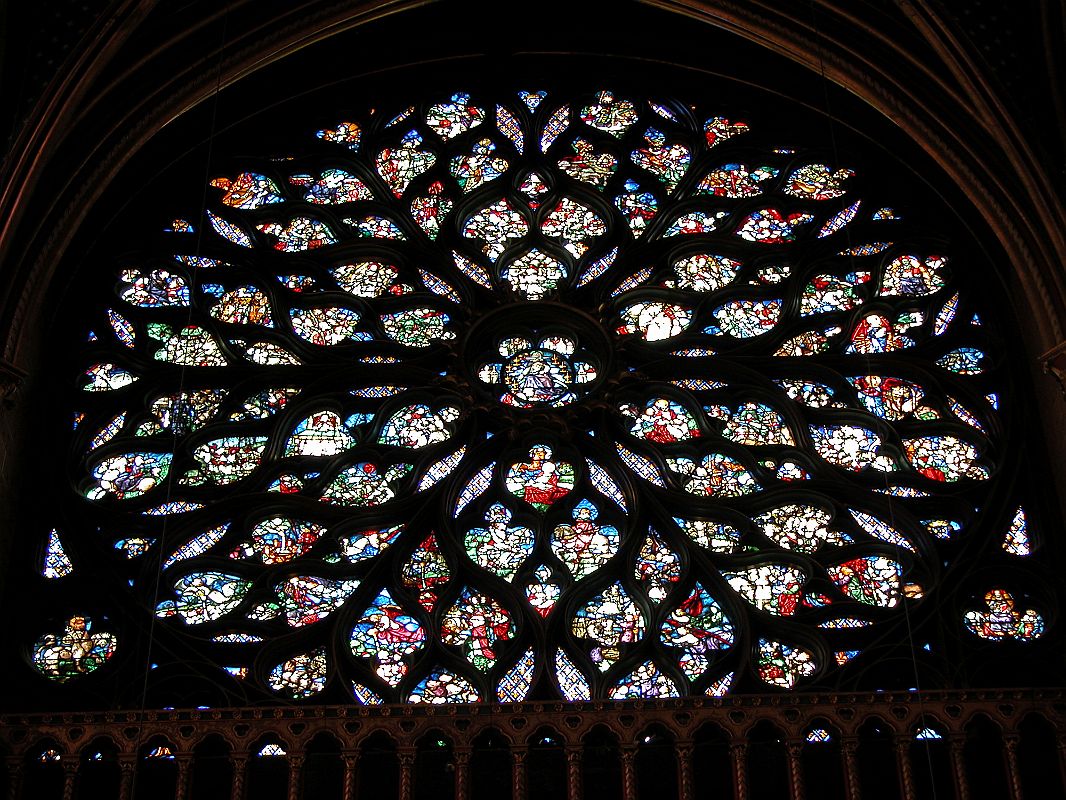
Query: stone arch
(212, 767)
(1026, 221)
(99, 771)
(42, 772)
(767, 759)
(877, 760)
(323, 766)
(434, 767)
(379, 764)
(822, 760)
(546, 766)
(491, 764)
(601, 762)
(1039, 767)
(712, 760)
(156, 772)
(985, 758)
(930, 756)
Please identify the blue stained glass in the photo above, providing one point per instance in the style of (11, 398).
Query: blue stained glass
(839, 220)
(198, 545)
(602, 481)
(230, 231)
(532, 99)
(122, 327)
(438, 286)
(516, 681)
(441, 469)
(572, 683)
(633, 281)
(640, 465)
(555, 126)
(511, 128)
(476, 487)
(56, 562)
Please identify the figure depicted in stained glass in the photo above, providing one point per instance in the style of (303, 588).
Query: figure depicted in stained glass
(771, 587)
(279, 539)
(588, 165)
(700, 629)
(363, 485)
(657, 567)
(78, 650)
(537, 376)
(385, 635)
(130, 475)
(873, 580)
(307, 599)
(204, 596)
(418, 426)
(500, 547)
(1003, 620)
(540, 481)
(608, 622)
(534, 275)
(784, 665)
(321, 434)
(584, 545)
(478, 624)
(655, 321)
(662, 421)
(426, 572)
(399, 166)
(302, 675)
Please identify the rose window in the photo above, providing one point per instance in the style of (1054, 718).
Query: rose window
(534, 396)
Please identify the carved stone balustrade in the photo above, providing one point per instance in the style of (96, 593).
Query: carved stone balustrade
(788, 746)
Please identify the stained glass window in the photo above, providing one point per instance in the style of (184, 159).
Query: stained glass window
(495, 397)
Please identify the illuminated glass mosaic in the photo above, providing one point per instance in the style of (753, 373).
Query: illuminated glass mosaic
(497, 397)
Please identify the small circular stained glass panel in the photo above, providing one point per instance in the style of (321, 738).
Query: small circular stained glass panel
(533, 377)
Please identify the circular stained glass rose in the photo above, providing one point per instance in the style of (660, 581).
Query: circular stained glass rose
(533, 395)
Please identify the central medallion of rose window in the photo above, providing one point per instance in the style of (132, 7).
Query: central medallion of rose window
(539, 374)
(546, 357)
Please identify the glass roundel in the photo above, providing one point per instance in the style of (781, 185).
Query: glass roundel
(537, 396)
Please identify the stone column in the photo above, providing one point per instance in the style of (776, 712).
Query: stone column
(794, 748)
(685, 788)
(1062, 758)
(738, 751)
(573, 772)
(127, 765)
(239, 762)
(958, 766)
(629, 772)
(70, 774)
(518, 771)
(848, 746)
(296, 766)
(11, 378)
(351, 764)
(407, 765)
(14, 777)
(906, 769)
(181, 783)
(1014, 774)
(462, 772)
